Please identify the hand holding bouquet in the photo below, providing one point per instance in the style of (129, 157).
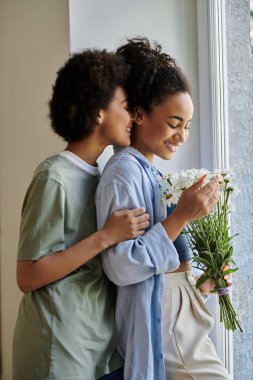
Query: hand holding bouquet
(209, 237)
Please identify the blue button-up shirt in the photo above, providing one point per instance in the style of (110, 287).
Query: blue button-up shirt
(137, 266)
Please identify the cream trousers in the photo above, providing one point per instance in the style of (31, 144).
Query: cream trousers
(189, 353)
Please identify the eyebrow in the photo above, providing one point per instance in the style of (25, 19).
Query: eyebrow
(178, 118)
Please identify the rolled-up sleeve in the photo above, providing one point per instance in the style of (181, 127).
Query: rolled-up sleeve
(133, 260)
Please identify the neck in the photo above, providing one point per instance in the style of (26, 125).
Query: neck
(87, 149)
(137, 144)
(149, 155)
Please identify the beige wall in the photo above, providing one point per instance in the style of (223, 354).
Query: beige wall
(34, 42)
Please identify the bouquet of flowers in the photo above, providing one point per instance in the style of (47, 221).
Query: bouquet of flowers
(209, 237)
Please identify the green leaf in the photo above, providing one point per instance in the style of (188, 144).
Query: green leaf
(229, 271)
(203, 261)
(229, 260)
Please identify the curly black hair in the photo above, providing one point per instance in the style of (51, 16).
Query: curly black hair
(85, 84)
(153, 75)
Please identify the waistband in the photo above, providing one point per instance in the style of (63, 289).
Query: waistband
(173, 280)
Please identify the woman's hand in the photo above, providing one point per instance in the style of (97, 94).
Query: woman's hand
(122, 225)
(196, 201)
(208, 286)
(126, 224)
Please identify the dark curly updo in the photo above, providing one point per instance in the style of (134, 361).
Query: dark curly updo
(84, 85)
(153, 75)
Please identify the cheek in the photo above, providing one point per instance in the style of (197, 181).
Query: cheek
(123, 117)
(187, 135)
(163, 133)
(156, 131)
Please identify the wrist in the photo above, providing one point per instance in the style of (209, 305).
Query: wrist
(180, 217)
(105, 238)
(174, 224)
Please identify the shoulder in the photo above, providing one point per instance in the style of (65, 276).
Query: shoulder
(60, 170)
(47, 178)
(122, 168)
(53, 168)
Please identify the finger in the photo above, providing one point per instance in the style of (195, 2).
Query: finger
(120, 212)
(209, 189)
(214, 198)
(201, 180)
(142, 218)
(138, 211)
(197, 184)
(143, 225)
(227, 266)
(212, 203)
(139, 233)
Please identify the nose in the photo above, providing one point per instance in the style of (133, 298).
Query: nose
(181, 136)
(131, 116)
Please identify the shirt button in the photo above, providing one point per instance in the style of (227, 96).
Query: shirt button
(160, 356)
(158, 320)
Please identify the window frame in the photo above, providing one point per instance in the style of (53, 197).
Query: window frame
(214, 136)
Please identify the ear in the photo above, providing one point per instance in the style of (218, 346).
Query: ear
(138, 115)
(100, 117)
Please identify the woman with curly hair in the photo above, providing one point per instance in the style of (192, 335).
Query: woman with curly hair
(65, 327)
(162, 321)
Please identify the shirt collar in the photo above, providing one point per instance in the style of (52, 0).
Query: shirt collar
(140, 157)
(81, 164)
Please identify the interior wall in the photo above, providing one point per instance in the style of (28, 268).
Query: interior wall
(34, 42)
(173, 23)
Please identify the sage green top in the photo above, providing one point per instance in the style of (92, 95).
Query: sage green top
(64, 330)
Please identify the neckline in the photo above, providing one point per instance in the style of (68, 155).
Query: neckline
(81, 164)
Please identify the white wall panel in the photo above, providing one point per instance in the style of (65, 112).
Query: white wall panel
(173, 23)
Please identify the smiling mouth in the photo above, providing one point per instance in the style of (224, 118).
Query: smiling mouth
(172, 148)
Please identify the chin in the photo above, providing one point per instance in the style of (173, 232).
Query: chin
(123, 143)
(166, 156)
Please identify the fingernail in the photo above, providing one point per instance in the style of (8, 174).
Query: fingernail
(202, 178)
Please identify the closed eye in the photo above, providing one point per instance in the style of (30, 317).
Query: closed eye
(178, 126)
(172, 126)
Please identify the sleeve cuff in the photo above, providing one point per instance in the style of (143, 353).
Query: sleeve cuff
(167, 252)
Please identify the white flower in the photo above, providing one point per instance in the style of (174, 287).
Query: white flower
(173, 184)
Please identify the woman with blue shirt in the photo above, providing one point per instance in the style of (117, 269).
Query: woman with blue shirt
(162, 321)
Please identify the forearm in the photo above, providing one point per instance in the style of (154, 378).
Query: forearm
(32, 275)
(135, 260)
(174, 224)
